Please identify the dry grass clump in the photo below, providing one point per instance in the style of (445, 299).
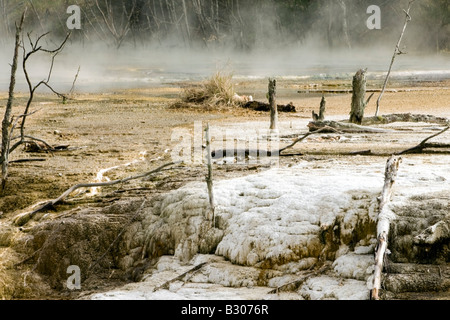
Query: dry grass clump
(215, 92)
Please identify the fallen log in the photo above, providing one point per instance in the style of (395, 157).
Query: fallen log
(345, 127)
(291, 286)
(23, 218)
(405, 117)
(262, 106)
(423, 145)
(181, 277)
(349, 91)
(28, 160)
(218, 154)
(385, 216)
(408, 268)
(416, 282)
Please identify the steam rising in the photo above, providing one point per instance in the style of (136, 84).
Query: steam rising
(302, 53)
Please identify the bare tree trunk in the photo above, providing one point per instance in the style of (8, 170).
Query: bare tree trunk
(384, 220)
(186, 20)
(217, 18)
(37, 15)
(323, 106)
(7, 116)
(273, 104)
(330, 12)
(4, 14)
(198, 8)
(359, 93)
(345, 24)
(397, 52)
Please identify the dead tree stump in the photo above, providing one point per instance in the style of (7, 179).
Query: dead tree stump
(323, 106)
(273, 104)
(321, 115)
(359, 93)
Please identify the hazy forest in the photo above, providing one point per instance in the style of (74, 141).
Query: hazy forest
(235, 24)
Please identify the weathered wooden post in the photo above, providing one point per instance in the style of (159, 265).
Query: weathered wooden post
(359, 93)
(273, 104)
(209, 180)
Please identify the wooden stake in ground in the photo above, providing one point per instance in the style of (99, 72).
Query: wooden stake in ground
(273, 104)
(358, 98)
(209, 180)
(385, 217)
(397, 52)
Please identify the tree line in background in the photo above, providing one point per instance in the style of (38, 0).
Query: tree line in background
(235, 24)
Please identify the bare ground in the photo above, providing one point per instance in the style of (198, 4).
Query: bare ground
(111, 129)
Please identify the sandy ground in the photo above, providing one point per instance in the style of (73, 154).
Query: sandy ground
(114, 128)
(131, 131)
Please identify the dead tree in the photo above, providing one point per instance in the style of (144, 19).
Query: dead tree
(321, 115)
(8, 126)
(358, 98)
(4, 26)
(6, 138)
(273, 104)
(345, 24)
(385, 216)
(35, 47)
(118, 30)
(397, 52)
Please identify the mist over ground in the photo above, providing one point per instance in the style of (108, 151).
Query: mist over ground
(299, 39)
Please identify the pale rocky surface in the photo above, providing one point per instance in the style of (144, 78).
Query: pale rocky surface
(272, 228)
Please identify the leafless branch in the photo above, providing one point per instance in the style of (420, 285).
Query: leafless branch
(34, 48)
(397, 52)
(74, 81)
(419, 148)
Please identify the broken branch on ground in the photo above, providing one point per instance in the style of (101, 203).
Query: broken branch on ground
(23, 218)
